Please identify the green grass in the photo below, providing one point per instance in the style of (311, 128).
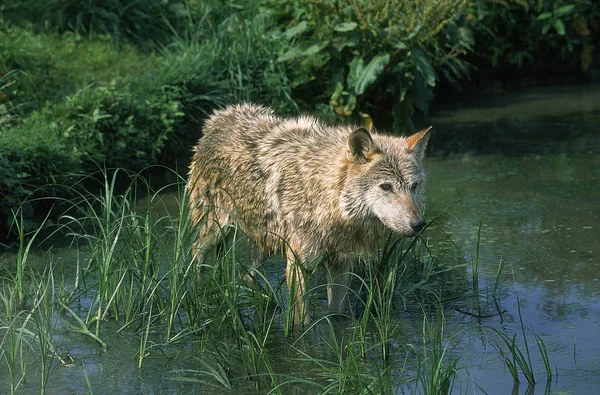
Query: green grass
(516, 358)
(70, 105)
(131, 271)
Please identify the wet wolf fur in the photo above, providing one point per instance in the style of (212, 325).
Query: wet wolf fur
(310, 189)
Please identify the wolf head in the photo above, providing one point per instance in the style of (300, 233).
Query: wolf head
(384, 178)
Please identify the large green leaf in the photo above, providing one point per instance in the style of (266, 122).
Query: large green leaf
(315, 48)
(370, 73)
(424, 67)
(565, 9)
(415, 31)
(299, 52)
(559, 26)
(466, 37)
(356, 68)
(292, 53)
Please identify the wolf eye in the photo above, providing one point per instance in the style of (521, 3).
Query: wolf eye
(386, 187)
(414, 186)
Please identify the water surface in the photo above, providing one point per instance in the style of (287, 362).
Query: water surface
(526, 166)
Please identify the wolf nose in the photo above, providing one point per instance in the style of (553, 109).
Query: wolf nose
(417, 224)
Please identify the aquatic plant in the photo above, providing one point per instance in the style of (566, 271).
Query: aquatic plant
(133, 272)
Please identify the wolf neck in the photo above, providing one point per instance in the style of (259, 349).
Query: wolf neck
(363, 232)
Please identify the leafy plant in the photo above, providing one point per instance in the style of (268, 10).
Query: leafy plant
(39, 68)
(530, 37)
(360, 57)
(556, 17)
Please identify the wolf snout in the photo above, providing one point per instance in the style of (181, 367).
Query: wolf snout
(417, 224)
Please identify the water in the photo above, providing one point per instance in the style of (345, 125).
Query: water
(540, 214)
(527, 167)
(529, 170)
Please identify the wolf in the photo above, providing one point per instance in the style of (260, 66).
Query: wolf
(307, 188)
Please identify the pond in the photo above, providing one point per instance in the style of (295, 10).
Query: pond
(513, 184)
(532, 179)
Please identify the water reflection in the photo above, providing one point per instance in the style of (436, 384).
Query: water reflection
(535, 184)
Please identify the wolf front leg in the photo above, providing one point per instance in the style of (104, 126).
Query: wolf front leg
(295, 275)
(339, 271)
(213, 223)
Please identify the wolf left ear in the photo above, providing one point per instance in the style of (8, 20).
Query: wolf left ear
(418, 142)
(360, 146)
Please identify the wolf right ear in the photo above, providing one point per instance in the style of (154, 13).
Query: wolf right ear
(418, 141)
(360, 146)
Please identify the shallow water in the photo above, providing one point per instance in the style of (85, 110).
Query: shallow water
(533, 180)
(527, 167)
(540, 214)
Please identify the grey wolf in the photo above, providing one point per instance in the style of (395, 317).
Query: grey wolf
(310, 189)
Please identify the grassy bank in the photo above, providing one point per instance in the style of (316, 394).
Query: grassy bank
(118, 107)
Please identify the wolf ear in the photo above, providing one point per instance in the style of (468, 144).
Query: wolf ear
(360, 146)
(417, 142)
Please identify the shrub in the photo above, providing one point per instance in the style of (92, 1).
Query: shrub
(518, 38)
(364, 56)
(145, 23)
(115, 126)
(151, 115)
(37, 68)
(34, 163)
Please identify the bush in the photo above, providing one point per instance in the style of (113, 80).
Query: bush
(40, 68)
(151, 115)
(145, 23)
(372, 57)
(115, 126)
(34, 163)
(530, 38)
(124, 125)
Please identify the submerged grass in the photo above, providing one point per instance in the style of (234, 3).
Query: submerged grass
(518, 358)
(229, 322)
(439, 367)
(13, 325)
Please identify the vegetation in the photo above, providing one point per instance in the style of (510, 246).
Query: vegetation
(373, 57)
(538, 40)
(129, 271)
(127, 83)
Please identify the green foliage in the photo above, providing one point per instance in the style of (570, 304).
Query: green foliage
(123, 124)
(118, 125)
(115, 108)
(112, 126)
(33, 155)
(35, 68)
(242, 57)
(146, 23)
(373, 57)
(530, 36)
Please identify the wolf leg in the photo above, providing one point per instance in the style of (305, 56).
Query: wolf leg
(214, 222)
(338, 280)
(295, 275)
